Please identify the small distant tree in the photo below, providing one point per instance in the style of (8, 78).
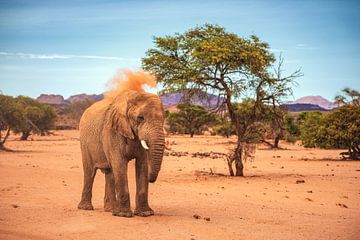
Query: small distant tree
(292, 130)
(36, 117)
(309, 123)
(341, 129)
(273, 121)
(190, 119)
(10, 118)
(348, 96)
(210, 59)
(224, 127)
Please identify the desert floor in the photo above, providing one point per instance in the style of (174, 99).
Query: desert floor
(40, 186)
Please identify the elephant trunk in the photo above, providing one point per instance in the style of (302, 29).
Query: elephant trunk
(156, 152)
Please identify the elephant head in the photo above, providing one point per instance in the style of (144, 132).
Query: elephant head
(140, 116)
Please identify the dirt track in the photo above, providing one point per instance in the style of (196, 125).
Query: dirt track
(40, 186)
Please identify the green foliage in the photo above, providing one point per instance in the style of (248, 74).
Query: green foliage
(24, 115)
(10, 114)
(251, 120)
(36, 117)
(190, 119)
(10, 117)
(292, 130)
(339, 128)
(207, 57)
(224, 127)
(309, 123)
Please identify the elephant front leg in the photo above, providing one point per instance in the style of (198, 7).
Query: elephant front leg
(142, 205)
(110, 195)
(122, 203)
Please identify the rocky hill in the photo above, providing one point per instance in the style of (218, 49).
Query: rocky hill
(55, 99)
(82, 97)
(208, 101)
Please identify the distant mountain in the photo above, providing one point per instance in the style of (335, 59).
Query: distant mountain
(55, 99)
(82, 97)
(301, 107)
(209, 101)
(315, 100)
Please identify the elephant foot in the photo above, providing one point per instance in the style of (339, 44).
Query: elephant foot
(107, 207)
(127, 213)
(144, 213)
(85, 206)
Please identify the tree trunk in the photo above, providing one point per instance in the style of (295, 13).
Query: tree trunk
(191, 134)
(268, 143)
(234, 119)
(25, 135)
(2, 142)
(238, 161)
(231, 171)
(354, 154)
(276, 141)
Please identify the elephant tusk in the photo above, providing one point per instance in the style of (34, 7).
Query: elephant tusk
(144, 145)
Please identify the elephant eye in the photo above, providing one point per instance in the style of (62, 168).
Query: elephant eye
(140, 118)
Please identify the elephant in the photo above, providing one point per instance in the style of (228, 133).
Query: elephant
(114, 131)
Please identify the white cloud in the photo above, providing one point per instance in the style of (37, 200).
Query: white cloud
(276, 50)
(64, 56)
(304, 46)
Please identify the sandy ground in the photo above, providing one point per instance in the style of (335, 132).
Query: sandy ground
(40, 186)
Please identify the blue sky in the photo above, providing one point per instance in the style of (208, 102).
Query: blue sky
(71, 47)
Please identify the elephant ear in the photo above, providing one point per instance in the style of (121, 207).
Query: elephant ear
(119, 119)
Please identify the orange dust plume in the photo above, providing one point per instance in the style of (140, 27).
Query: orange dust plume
(129, 80)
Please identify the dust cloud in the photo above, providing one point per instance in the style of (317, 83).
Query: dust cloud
(129, 80)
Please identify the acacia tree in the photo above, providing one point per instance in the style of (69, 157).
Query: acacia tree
(190, 118)
(210, 59)
(224, 127)
(36, 117)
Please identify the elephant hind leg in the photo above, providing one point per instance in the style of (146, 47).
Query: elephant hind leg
(110, 195)
(89, 176)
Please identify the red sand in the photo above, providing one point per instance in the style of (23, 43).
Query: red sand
(40, 186)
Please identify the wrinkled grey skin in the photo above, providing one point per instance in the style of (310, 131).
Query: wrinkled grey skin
(110, 134)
